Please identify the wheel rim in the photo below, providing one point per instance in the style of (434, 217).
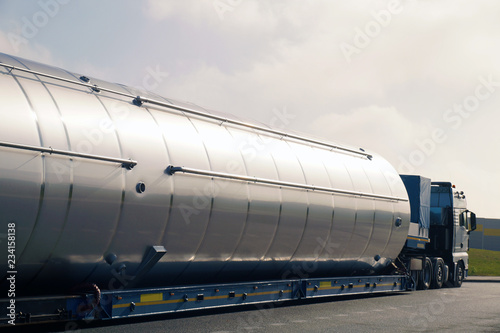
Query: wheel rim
(460, 272)
(439, 275)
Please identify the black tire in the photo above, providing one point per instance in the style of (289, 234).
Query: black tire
(425, 280)
(438, 277)
(459, 275)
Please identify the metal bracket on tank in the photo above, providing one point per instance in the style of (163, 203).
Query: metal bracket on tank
(152, 256)
(170, 170)
(137, 101)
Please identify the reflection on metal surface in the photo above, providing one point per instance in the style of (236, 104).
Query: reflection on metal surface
(139, 101)
(312, 210)
(129, 164)
(171, 170)
(94, 87)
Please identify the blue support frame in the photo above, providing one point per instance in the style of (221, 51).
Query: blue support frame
(142, 302)
(175, 299)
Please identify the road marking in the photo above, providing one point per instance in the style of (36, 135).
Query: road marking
(248, 328)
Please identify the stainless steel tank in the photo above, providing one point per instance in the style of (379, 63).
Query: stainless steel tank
(95, 175)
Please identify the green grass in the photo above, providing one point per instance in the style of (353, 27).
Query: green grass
(484, 262)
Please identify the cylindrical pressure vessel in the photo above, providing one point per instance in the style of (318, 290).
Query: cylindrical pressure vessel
(99, 178)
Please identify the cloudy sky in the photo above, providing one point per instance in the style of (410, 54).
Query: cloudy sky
(417, 82)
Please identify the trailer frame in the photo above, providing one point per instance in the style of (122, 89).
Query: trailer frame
(113, 304)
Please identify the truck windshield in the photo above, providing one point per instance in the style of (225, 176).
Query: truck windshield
(441, 202)
(440, 197)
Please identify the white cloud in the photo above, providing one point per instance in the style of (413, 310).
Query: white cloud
(406, 54)
(14, 44)
(160, 10)
(234, 14)
(5, 45)
(262, 55)
(384, 130)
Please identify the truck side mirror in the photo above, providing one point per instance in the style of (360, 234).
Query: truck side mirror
(472, 221)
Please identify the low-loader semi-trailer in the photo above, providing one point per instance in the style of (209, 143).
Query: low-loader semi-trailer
(116, 202)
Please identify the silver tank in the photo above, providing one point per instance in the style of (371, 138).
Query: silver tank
(95, 175)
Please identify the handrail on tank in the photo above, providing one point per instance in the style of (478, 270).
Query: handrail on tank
(139, 101)
(129, 164)
(171, 170)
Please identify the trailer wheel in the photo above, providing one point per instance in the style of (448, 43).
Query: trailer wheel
(459, 275)
(438, 274)
(426, 275)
